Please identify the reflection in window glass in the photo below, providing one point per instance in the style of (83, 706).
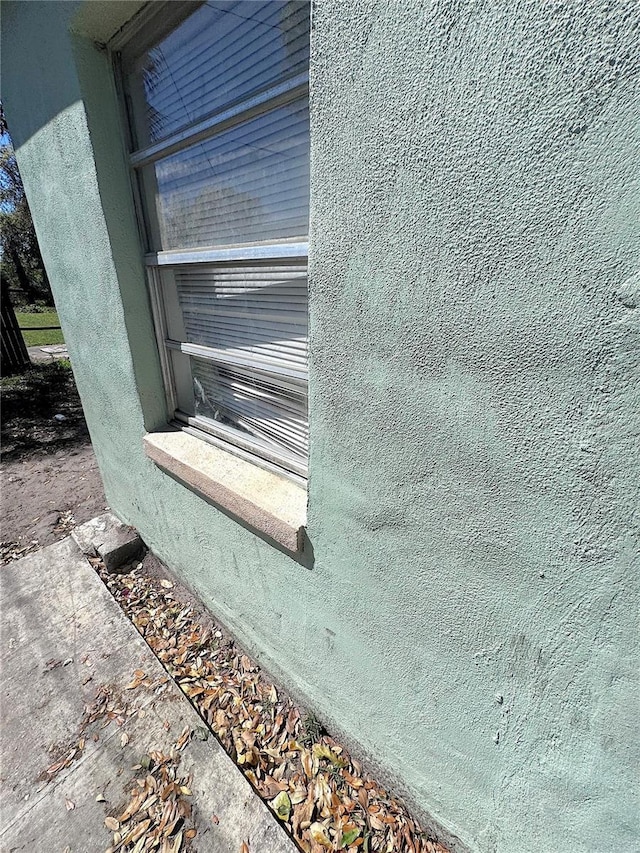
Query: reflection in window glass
(248, 184)
(221, 54)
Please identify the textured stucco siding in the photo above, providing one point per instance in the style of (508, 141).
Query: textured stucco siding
(471, 619)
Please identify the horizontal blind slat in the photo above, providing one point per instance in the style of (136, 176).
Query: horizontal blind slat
(238, 339)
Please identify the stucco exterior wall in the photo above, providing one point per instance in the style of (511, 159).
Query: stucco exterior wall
(471, 619)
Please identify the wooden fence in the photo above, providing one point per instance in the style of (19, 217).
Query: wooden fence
(15, 357)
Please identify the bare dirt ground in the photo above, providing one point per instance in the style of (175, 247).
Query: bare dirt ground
(49, 478)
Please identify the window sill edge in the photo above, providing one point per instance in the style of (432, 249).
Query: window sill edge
(271, 506)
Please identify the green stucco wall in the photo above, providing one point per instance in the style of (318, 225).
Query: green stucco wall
(471, 619)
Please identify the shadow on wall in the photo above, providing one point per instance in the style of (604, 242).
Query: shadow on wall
(59, 24)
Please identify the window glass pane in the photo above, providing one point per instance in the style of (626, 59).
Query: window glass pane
(249, 402)
(252, 318)
(221, 54)
(252, 314)
(235, 333)
(245, 185)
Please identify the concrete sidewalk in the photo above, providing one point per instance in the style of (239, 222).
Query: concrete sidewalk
(48, 353)
(65, 645)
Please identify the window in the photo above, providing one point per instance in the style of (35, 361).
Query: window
(216, 98)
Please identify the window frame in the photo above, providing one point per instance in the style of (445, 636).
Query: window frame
(152, 23)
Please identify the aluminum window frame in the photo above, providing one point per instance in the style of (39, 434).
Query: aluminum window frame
(149, 25)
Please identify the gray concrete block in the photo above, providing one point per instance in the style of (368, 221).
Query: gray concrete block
(116, 543)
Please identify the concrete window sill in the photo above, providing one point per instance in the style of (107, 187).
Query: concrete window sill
(269, 504)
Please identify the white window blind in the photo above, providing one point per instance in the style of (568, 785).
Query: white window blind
(248, 183)
(218, 112)
(220, 55)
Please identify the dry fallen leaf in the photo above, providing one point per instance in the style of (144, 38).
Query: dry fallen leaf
(321, 751)
(112, 824)
(354, 781)
(69, 804)
(184, 737)
(375, 822)
(307, 764)
(282, 805)
(310, 780)
(319, 834)
(124, 739)
(244, 847)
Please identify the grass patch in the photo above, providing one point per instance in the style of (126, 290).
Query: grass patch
(27, 320)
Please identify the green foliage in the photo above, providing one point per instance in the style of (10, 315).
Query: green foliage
(34, 388)
(350, 836)
(34, 308)
(43, 339)
(311, 730)
(29, 319)
(22, 267)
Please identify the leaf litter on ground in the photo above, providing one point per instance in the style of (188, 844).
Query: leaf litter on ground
(158, 816)
(318, 791)
(106, 707)
(10, 551)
